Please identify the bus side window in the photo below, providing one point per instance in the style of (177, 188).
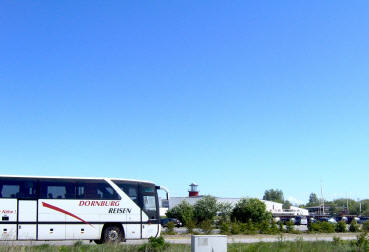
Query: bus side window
(99, 190)
(87, 190)
(28, 189)
(80, 192)
(57, 189)
(9, 190)
(130, 189)
(18, 188)
(132, 193)
(106, 191)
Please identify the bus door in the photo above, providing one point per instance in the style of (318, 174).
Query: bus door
(27, 219)
(132, 226)
(8, 227)
(18, 208)
(150, 211)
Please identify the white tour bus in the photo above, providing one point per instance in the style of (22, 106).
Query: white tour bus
(62, 208)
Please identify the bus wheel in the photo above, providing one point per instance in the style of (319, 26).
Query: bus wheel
(112, 234)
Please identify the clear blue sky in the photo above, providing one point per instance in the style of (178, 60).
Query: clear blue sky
(238, 96)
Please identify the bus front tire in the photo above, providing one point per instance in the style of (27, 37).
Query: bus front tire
(112, 234)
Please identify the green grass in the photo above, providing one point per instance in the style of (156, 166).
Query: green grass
(298, 246)
(92, 248)
(282, 246)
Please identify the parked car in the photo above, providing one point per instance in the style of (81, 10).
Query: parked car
(328, 219)
(348, 219)
(311, 220)
(301, 220)
(342, 218)
(284, 219)
(363, 219)
(164, 222)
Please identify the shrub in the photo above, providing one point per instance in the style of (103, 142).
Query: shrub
(327, 227)
(224, 228)
(341, 227)
(365, 226)
(205, 208)
(280, 226)
(273, 228)
(362, 241)
(354, 227)
(170, 227)
(154, 244)
(314, 227)
(264, 227)
(206, 226)
(322, 227)
(290, 227)
(235, 228)
(190, 226)
(183, 212)
(248, 228)
(337, 241)
(250, 209)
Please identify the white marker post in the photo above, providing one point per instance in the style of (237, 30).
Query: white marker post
(208, 243)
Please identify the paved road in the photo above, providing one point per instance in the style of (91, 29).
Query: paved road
(186, 239)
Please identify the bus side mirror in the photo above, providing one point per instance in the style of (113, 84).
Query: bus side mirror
(164, 189)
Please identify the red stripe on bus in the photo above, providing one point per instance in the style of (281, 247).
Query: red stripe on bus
(64, 212)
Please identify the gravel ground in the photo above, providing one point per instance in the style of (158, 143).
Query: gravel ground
(186, 239)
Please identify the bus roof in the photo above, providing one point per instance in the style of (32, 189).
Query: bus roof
(65, 177)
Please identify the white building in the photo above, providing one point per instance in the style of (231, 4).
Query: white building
(275, 208)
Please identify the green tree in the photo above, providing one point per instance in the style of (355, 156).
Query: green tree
(341, 205)
(333, 209)
(183, 212)
(313, 199)
(364, 207)
(248, 209)
(286, 205)
(225, 211)
(205, 208)
(274, 195)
